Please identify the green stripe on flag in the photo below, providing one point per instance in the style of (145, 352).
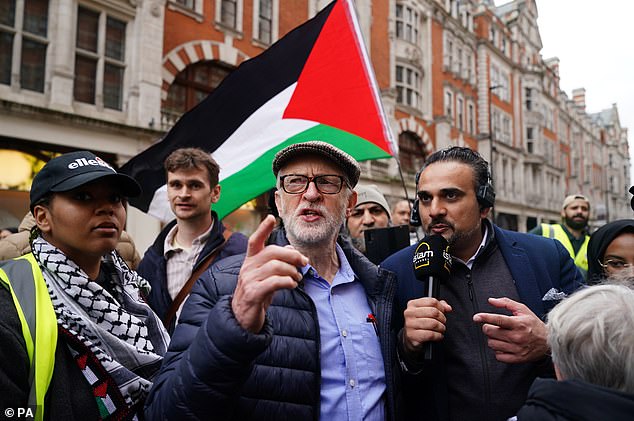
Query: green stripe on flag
(258, 177)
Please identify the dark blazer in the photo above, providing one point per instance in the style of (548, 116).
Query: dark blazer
(543, 272)
(536, 263)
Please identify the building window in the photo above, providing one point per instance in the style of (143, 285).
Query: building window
(408, 83)
(460, 114)
(530, 140)
(23, 42)
(99, 59)
(449, 55)
(449, 105)
(495, 78)
(471, 119)
(504, 93)
(506, 129)
(529, 98)
(411, 152)
(228, 13)
(406, 23)
(191, 86)
(458, 69)
(265, 21)
(189, 4)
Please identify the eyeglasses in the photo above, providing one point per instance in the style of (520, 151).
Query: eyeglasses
(615, 264)
(326, 184)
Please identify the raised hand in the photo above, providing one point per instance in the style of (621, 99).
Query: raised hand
(515, 339)
(265, 270)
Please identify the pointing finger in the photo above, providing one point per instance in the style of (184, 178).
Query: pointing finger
(513, 306)
(257, 240)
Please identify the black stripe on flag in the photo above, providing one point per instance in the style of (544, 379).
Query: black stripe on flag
(240, 94)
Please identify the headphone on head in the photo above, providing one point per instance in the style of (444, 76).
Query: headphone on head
(414, 216)
(485, 194)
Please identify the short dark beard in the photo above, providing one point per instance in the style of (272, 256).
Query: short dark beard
(576, 225)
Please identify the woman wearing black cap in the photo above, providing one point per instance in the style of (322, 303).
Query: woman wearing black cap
(611, 251)
(78, 342)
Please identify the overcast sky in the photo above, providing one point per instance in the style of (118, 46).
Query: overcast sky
(593, 41)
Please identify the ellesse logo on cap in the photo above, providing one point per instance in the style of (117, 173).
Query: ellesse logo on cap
(82, 162)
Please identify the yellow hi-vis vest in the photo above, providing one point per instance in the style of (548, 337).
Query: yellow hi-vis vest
(23, 278)
(557, 232)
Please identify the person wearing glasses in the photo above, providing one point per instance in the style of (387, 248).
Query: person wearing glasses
(299, 327)
(611, 251)
(489, 340)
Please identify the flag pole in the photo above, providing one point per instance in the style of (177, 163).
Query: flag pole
(409, 202)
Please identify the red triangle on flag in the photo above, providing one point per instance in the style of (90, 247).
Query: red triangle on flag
(101, 390)
(336, 87)
(81, 361)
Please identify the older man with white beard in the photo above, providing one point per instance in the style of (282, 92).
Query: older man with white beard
(298, 328)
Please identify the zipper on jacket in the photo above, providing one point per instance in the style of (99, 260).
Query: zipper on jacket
(482, 343)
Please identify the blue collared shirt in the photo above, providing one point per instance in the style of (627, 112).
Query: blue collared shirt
(352, 371)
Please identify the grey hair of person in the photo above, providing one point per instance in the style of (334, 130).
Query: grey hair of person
(590, 336)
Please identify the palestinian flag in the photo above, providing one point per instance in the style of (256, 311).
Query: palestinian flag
(316, 83)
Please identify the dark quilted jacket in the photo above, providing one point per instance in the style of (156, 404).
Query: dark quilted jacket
(216, 370)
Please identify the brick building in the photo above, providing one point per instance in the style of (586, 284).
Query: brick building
(113, 76)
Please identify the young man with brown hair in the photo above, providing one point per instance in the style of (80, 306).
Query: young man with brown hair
(193, 240)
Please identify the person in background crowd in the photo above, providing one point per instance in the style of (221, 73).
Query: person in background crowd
(611, 251)
(401, 212)
(5, 232)
(592, 346)
(16, 245)
(190, 243)
(572, 232)
(94, 345)
(299, 329)
(371, 211)
(489, 339)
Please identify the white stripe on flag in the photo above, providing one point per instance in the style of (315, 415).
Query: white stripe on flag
(261, 131)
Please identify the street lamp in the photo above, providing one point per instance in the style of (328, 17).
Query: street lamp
(491, 147)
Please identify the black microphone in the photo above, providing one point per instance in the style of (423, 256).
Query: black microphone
(432, 266)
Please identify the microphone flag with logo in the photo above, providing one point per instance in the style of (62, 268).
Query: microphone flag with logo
(432, 266)
(432, 259)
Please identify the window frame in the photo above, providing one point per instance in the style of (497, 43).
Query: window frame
(237, 27)
(102, 59)
(257, 36)
(407, 23)
(409, 88)
(20, 35)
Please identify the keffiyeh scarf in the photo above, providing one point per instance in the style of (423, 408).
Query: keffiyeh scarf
(118, 328)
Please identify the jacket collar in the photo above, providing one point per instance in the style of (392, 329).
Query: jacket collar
(366, 272)
(216, 230)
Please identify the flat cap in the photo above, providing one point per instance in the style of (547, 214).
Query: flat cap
(348, 164)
